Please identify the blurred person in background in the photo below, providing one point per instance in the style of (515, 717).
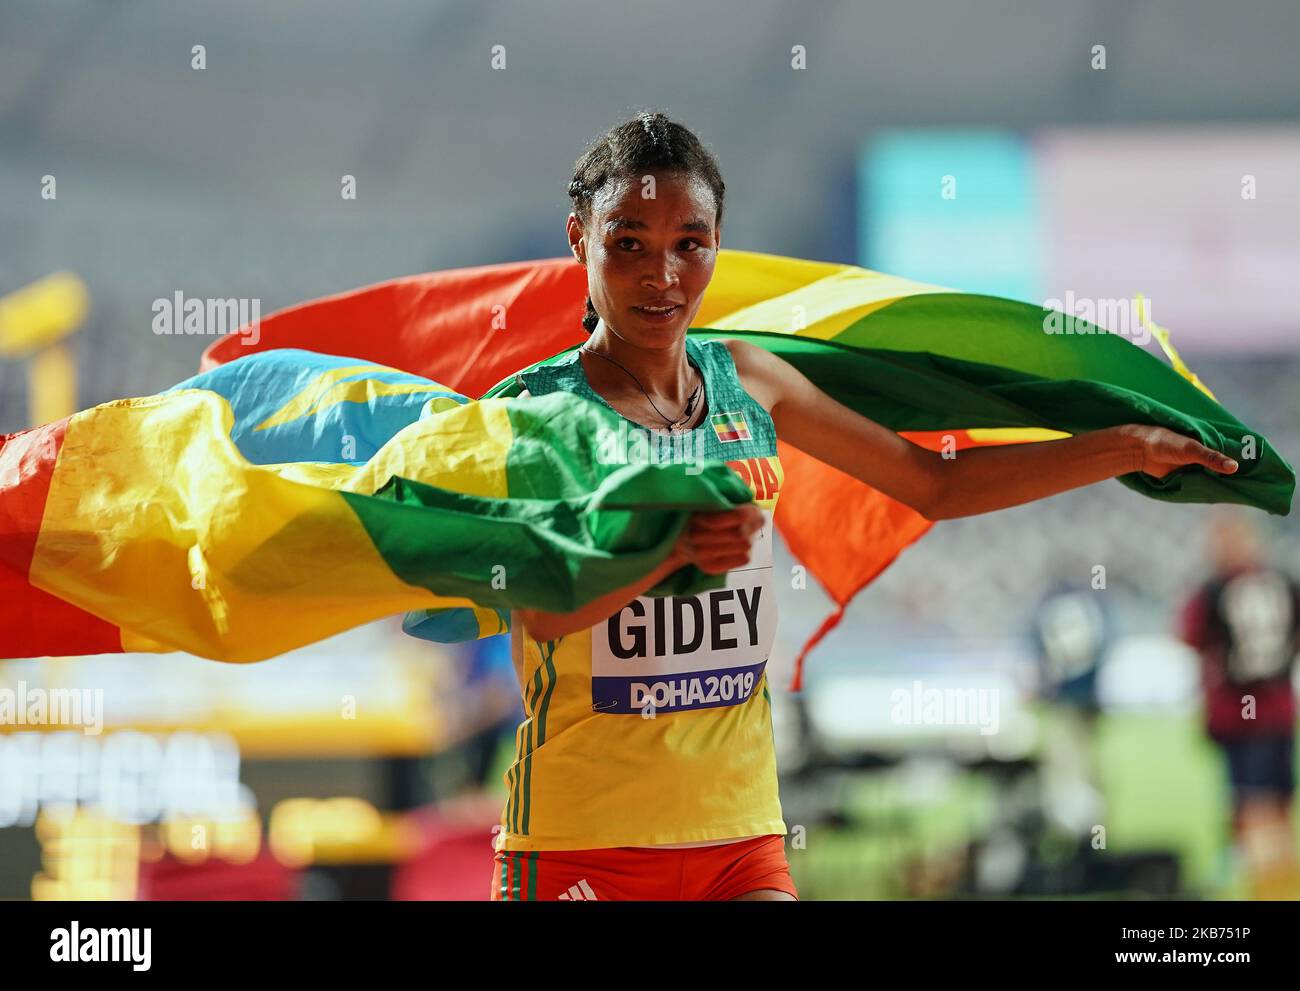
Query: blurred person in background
(478, 705)
(1071, 630)
(491, 676)
(1242, 622)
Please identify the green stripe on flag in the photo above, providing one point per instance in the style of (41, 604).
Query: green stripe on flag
(1075, 384)
(571, 528)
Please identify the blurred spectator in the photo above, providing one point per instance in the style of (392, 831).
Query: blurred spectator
(1242, 622)
(492, 675)
(1071, 630)
(480, 705)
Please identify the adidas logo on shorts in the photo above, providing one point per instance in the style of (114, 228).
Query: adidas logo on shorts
(580, 892)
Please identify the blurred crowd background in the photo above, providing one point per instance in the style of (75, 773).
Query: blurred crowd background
(1096, 149)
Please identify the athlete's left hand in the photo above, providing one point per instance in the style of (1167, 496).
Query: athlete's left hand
(1161, 451)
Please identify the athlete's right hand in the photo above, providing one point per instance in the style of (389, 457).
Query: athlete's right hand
(716, 542)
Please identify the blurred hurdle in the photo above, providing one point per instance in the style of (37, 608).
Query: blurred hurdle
(35, 322)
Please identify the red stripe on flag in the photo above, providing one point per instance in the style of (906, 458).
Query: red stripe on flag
(34, 622)
(844, 532)
(465, 328)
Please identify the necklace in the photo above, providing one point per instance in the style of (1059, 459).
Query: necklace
(690, 401)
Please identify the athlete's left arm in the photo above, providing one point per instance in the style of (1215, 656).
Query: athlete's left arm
(975, 480)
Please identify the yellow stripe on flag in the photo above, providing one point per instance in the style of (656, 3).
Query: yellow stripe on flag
(155, 518)
(789, 296)
(1014, 435)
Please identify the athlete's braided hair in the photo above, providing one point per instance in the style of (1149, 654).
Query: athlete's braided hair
(645, 143)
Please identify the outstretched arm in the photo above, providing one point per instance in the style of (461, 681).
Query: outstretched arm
(975, 481)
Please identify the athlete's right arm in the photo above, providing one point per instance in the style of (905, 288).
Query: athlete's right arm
(715, 542)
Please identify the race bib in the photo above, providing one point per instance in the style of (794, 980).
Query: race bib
(669, 654)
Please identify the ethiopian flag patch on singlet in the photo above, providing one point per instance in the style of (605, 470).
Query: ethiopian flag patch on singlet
(730, 426)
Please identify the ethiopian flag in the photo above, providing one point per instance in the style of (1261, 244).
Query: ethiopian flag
(363, 454)
(290, 495)
(730, 426)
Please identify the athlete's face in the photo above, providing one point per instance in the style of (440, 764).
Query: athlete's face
(651, 243)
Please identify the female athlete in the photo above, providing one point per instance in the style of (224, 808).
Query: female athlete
(645, 766)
